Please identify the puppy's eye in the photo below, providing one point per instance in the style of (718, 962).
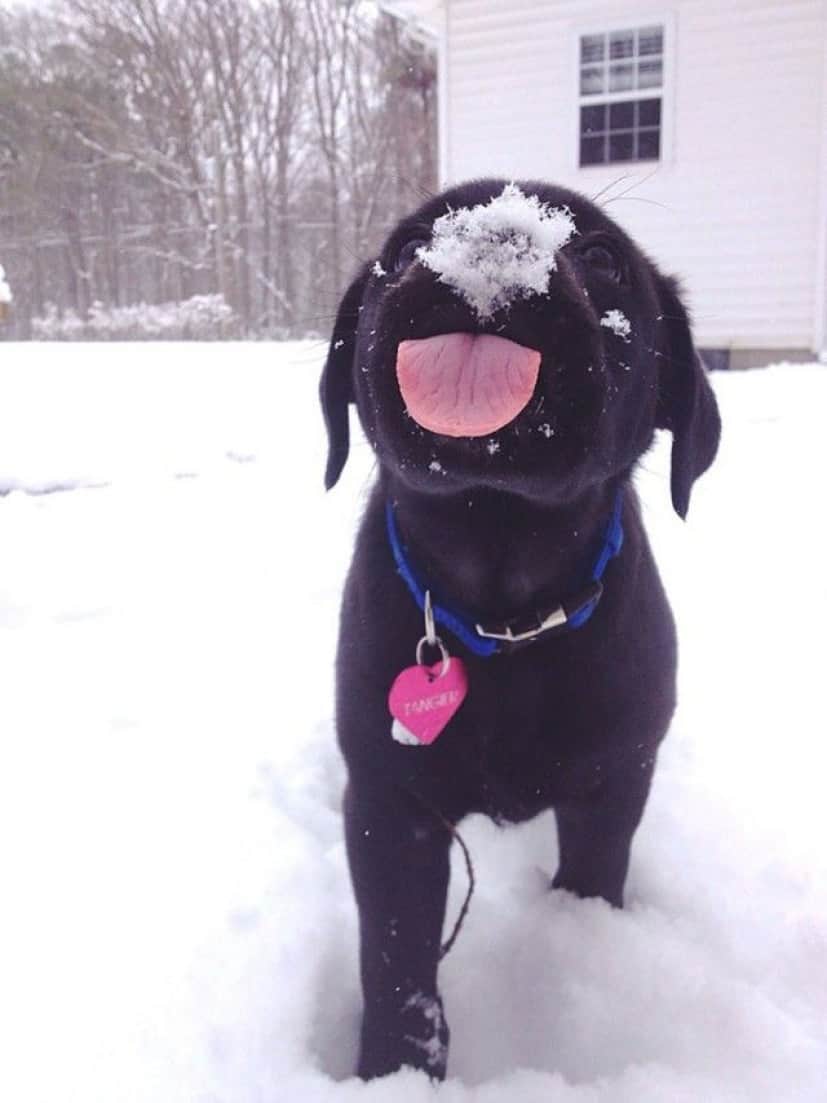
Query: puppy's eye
(407, 254)
(602, 258)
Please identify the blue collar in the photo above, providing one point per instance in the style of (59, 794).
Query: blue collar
(487, 641)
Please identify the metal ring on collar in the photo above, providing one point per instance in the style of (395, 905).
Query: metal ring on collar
(435, 642)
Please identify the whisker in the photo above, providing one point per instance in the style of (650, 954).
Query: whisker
(367, 482)
(412, 185)
(639, 183)
(655, 472)
(636, 199)
(609, 186)
(327, 317)
(355, 254)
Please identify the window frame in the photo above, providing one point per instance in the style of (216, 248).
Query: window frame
(611, 24)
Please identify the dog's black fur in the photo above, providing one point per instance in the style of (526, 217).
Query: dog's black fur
(573, 720)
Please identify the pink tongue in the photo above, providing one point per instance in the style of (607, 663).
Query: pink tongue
(462, 385)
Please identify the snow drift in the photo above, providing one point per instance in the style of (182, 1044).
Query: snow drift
(178, 924)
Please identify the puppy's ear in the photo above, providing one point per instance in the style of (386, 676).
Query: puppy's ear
(336, 387)
(686, 403)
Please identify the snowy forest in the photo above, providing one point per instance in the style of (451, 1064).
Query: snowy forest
(202, 168)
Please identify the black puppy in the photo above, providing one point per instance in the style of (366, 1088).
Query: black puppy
(544, 350)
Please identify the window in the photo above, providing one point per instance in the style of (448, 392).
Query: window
(621, 82)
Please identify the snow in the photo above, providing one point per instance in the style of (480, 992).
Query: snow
(497, 252)
(433, 1046)
(5, 290)
(201, 317)
(618, 323)
(177, 920)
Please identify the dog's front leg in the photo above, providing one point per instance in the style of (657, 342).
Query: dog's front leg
(399, 864)
(595, 834)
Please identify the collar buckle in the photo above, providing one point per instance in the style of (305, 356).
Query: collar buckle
(516, 632)
(505, 632)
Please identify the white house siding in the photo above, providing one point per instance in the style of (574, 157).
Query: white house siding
(741, 180)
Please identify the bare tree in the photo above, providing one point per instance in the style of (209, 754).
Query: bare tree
(279, 96)
(331, 26)
(157, 149)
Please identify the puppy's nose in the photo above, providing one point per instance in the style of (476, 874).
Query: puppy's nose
(464, 384)
(500, 251)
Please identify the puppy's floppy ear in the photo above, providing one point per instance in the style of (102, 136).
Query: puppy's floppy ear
(686, 403)
(336, 387)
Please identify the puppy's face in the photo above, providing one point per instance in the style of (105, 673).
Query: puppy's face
(514, 337)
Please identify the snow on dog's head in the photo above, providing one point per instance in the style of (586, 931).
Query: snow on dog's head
(499, 251)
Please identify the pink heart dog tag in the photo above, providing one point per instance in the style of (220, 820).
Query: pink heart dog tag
(423, 700)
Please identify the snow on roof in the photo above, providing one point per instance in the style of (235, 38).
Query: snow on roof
(423, 14)
(499, 251)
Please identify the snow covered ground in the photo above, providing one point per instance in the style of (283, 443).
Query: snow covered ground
(177, 925)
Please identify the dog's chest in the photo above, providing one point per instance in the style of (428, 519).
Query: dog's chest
(530, 734)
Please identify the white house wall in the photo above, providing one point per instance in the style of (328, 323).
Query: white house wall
(740, 180)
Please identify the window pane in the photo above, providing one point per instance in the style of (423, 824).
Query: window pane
(621, 77)
(650, 74)
(592, 81)
(621, 147)
(650, 41)
(592, 119)
(592, 48)
(593, 151)
(622, 116)
(622, 44)
(648, 145)
(649, 112)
